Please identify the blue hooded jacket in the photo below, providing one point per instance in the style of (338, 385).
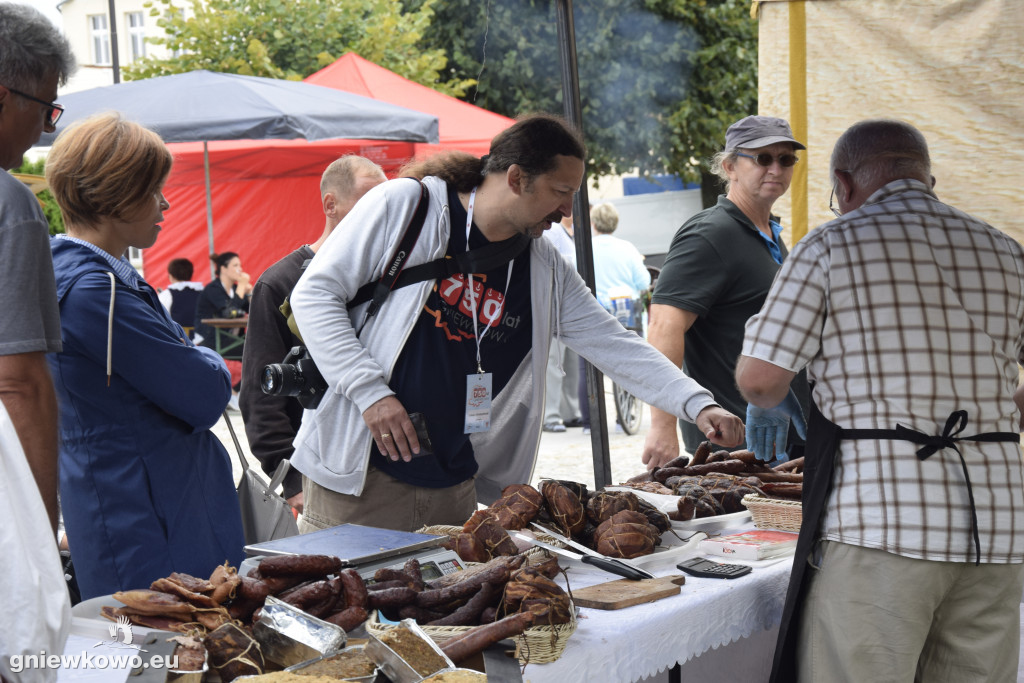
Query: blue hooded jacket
(146, 487)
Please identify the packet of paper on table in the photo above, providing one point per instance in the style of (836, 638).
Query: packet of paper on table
(753, 544)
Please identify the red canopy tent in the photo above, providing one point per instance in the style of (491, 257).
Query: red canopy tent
(266, 193)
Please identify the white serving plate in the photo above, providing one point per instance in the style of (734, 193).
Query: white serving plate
(668, 504)
(716, 523)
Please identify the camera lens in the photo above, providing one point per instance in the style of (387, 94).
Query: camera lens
(275, 378)
(300, 379)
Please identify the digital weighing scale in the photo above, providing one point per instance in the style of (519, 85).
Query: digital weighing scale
(366, 549)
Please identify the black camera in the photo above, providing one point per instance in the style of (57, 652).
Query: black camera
(296, 376)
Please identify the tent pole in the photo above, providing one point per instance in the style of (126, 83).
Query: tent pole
(209, 204)
(582, 237)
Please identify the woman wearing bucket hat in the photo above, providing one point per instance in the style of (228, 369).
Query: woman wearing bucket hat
(717, 273)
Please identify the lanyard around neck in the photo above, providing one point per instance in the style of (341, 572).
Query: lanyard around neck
(472, 296)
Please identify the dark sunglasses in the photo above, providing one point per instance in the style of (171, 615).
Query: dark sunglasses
(765, 159)
(54, 112)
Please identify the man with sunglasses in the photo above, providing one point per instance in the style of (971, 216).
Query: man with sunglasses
(34, 59)
(716, 275)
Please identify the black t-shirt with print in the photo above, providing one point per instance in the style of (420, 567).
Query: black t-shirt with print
(430, 376)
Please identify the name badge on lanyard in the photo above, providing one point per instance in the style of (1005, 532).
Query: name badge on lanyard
(478, 402)
(478, 384)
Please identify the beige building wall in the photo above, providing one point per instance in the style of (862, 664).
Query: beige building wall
(952, 68)
(94, 65)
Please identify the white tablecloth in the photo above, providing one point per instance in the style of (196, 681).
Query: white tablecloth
(640, 641)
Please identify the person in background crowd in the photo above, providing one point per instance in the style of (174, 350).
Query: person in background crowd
(226, 296)
(717, 274)
(909, 317)
(467, 351)
(561, 403)
(271, 422)
(182, 295)
(34, 60)
(619, 271)
(618, 265)
(146, 487)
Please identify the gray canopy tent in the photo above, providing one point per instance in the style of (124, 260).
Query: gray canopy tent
(199, 106)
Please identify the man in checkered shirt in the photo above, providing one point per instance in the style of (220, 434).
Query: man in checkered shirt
(905, 311)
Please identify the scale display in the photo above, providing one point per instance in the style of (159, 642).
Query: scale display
(434, 563)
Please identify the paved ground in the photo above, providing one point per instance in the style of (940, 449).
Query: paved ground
(566, 455)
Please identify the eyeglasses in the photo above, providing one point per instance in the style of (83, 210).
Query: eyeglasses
(765, 159)
(832, 197)
(54, 112)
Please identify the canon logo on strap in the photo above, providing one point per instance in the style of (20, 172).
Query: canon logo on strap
(399, 257)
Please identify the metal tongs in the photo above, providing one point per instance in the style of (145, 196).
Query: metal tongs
(588, 556)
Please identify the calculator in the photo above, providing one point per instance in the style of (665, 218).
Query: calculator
(706, 569)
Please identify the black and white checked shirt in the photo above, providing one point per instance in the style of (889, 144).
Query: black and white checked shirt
(904, 311)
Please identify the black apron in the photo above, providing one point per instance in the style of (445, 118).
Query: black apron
(823, 438)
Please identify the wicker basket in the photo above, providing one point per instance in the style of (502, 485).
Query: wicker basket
(536, 645)
(774, 513)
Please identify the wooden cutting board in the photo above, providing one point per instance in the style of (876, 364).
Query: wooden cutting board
(626, 593)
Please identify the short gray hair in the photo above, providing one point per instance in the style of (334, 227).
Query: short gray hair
(340, 176)
(31, 49)
(878, 151)
(604, 218)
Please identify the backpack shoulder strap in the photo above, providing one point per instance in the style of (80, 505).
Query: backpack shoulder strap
(378, 291)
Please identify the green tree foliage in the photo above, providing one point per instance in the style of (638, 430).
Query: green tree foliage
(294, 38)
(660, 80)
(722, 91)
(50, 208)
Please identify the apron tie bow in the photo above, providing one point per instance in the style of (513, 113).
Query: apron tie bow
(931, 444)
(955, 423)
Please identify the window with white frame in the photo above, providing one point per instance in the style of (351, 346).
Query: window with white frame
(136, 34)
(100, 38)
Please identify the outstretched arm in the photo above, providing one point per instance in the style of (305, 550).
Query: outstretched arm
(667, 334)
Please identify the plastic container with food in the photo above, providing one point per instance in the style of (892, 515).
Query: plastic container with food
(406, 654)
(351, 664)
(187, 675)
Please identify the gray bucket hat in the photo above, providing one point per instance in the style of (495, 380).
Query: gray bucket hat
(755, 132)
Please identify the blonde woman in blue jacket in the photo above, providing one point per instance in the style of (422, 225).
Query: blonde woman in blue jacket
(146, 488)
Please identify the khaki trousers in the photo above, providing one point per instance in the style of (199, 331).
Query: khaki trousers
(387, 503)
(875, 616)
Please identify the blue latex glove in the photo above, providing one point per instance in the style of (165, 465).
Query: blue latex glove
(767, 428)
